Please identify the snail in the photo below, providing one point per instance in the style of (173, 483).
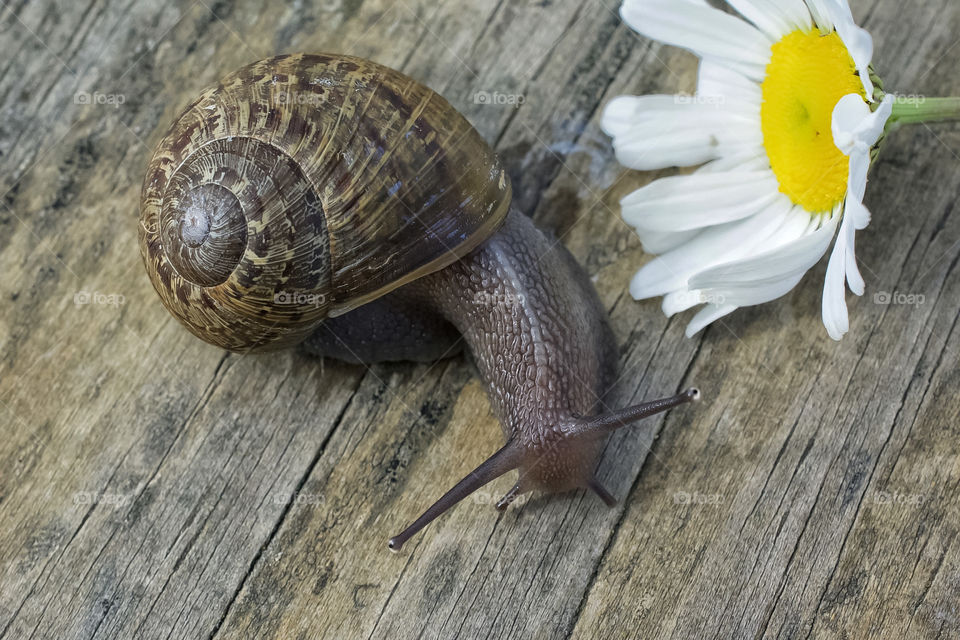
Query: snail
(331, 202)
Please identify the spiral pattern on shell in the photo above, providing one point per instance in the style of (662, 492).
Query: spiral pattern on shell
(303, 186)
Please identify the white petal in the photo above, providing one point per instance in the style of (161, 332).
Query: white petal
(857, 213)
(698, 27)
(834, 312)
(797, 224)
(717, 79)
(654, 132)
(768, 275)
(776, 18)
(678, 203)
(709, 314)
(848, 115)
(855, 130)
(677, 301)
(655, 242)
(821, 14)
(752, 159)
(857, 40)
(857, 182)
(796, 12)
(623, 112)
(854, 124)
(715, 245)
(875, 125)
(761, 291)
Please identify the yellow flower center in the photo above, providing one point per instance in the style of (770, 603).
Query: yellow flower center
(807, 75)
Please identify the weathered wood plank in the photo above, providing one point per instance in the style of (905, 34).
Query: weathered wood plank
(146, 477)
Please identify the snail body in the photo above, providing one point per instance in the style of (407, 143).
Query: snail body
(332, 202)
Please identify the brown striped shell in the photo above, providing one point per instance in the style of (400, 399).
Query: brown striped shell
(303, 186)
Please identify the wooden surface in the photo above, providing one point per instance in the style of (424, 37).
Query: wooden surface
(146, 478)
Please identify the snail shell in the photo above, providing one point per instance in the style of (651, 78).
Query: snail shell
(303, 186)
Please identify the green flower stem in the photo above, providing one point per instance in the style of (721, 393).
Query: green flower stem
(913, 110)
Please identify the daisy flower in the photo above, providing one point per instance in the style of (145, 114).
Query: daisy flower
(782, 126)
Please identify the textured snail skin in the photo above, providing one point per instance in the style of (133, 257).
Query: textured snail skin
(536, 330)
(541, 341)
(330, 201)
(396, 327)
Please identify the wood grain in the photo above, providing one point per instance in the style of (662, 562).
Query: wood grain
(152, 486)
